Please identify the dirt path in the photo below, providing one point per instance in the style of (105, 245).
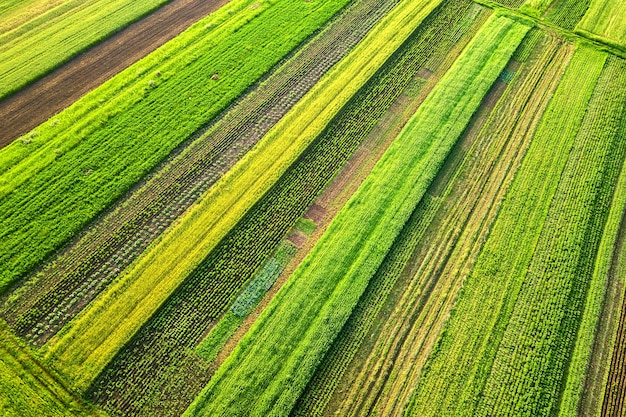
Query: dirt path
(41, 100)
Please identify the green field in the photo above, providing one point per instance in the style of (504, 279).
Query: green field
(606, 20)
(320, 208)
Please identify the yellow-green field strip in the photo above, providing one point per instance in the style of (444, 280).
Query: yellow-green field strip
(28, 389)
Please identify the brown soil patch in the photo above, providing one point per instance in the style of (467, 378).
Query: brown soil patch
(315, 213)
(297, 238)
(41, 100)
(424, 73)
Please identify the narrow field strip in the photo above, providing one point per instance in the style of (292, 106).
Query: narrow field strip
(470, 338)
(327, 379)
(432, 259)
(536, 8)
(611, 267)
(567, 13)
(605, 20)
(613, 388)
(28, 389)
(92, 340)
(143, 368)
(550, 305)
(14, 13)
(76, 276)
(92, 153)
(266, 374)
(55, 35)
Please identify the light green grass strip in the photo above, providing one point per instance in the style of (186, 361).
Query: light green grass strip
(27, 389)
(270, 367)
(535, 8)
(213, 343)
(581, 357)
(607, 20)
(89, 342)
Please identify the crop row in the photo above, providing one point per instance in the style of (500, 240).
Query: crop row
(92, 153)
(80, 273)
(30, 390)
(614, 387)
(246, 302)
(140, 368)
(467, 201)
(91, 341)
(407, 65)
(606, 19)
(544, 325)
(567, 13)
(265, 374)
(36, 46)
(604, 274)
(510, 3)
(469, 341)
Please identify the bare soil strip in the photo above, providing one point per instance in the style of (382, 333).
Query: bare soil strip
(41, 100)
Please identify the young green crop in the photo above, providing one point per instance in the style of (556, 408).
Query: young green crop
(606, 21)
(91, 341)
(549, 307)
(266, 374)
(28, 389)
(456, 372)
(614, 76)
(535, 7)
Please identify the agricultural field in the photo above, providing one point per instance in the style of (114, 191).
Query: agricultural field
(313, 208)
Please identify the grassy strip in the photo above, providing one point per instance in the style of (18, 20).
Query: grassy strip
(39, 45)
(579, 366)
(607, 20)
(90, 342)
(535, 8)
(266, 374)
(92, 153)
(455, 374)
(548, 310)
(30, 390)
(14, 13)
